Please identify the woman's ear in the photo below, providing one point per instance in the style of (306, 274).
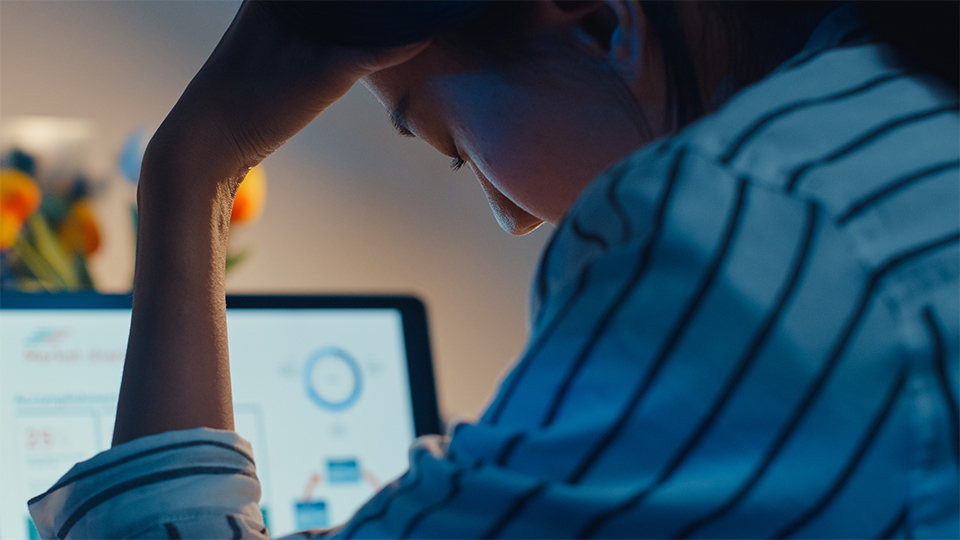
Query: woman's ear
(627, 38)
(612, 29)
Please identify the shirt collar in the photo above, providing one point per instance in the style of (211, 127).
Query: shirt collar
(842, 25)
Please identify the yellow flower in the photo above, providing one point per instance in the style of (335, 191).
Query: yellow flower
(10, 225)
(248, 204)
(79, 232)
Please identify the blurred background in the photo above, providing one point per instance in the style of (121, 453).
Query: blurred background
(349, 207)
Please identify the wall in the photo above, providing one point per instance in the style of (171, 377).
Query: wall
(351, 207)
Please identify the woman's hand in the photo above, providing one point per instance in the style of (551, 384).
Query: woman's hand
(260, 86)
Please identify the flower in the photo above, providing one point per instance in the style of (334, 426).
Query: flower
(19, 198)
(10, 226)
(79, 233)
(18, 192)
(248, 204)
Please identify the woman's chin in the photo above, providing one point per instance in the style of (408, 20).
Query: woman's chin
(526, 228)
(516, 222)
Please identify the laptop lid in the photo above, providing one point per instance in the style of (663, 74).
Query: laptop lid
(329, 390)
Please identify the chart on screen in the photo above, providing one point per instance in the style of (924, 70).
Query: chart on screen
(309, 390)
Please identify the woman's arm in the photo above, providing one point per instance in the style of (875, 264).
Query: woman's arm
(259, 87)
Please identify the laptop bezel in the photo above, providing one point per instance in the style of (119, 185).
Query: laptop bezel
(426, 417)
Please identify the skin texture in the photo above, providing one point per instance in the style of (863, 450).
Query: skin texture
(534, 142)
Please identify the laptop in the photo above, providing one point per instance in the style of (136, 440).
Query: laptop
(329, 390)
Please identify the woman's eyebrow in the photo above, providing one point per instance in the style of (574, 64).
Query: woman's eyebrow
(398, 117)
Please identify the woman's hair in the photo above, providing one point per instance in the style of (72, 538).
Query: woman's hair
(926, 30)
(757, 36)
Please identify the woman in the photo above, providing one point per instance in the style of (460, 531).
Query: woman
(746, 324)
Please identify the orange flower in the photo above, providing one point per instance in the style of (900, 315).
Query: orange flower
(248, 205)
(19, 197)
(79, 232)
(18, 193)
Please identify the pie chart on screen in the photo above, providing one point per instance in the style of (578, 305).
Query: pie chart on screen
(333, 379)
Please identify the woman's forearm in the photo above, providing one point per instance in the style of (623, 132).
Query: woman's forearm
(176, 374)
(259, 87)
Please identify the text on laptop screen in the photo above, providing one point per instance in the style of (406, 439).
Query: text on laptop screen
(322, 395)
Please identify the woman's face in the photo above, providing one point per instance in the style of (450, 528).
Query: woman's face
(534, 141)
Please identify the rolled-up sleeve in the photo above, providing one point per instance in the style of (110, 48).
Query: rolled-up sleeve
(197, 483)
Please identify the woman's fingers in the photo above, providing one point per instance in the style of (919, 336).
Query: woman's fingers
(384, 58)
(262, 84)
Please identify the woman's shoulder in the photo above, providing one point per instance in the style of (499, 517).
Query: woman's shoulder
(850, 128)
(845, 105)
(851, 134)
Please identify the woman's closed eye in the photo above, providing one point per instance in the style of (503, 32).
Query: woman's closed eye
(457, 163)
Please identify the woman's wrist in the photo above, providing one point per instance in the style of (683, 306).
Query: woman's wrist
(192, 145)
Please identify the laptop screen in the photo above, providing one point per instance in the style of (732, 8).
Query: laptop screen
(330, 392)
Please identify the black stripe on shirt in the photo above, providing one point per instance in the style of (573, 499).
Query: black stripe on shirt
(643, 263)
(614, 202)
(455, 489)
(733, 383)
(355, 524)
(866, 443)
(893, 187)
(940, 362)
(496, 410)
(504, 454)
(729, 234)
(747, 135)
(586, 236)
(622, 216)
(673, 339)
(95, 470)
(518, 505)
(234, 527)
(512, 382)
(865, 139)
(172, 532)
(427, 510)
(896, 524)
(639, 272)
(813, 391)
(541, 278)
(134, 483)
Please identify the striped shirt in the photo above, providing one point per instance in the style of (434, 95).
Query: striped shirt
(748, 329)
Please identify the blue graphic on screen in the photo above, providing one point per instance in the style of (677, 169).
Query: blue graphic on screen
(312, 515)
(47, 336)
(343, 471)
(333, 379)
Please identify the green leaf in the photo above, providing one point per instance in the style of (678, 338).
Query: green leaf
(233, 259)
(49, 248)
